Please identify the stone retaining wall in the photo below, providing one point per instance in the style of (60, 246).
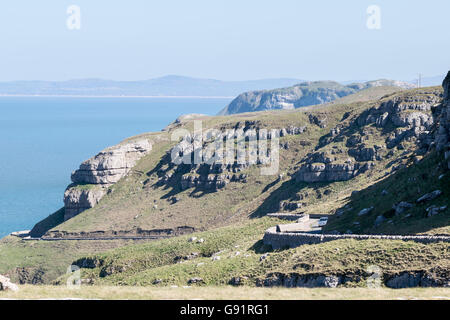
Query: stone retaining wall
(291, 240)
(290, 216)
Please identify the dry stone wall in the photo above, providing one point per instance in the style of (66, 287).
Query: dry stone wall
(279, 240)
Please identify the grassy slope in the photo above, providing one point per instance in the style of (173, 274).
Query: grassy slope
(369, 94)
(49, 258)
(221, 293)
(240, 249)
(408, 185)
(131, 205)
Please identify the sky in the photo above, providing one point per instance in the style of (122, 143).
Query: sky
(224, 39)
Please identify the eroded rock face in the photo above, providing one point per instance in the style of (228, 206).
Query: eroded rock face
(403, 118)
(100, 172)
(318, 172)
(110, 165)
(77, 200)
(412, 279)
(302, 281)
(443, 133)
(328, 172)
(411, 116)
(216, 170)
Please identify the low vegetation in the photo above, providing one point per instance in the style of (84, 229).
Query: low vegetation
(222, 293)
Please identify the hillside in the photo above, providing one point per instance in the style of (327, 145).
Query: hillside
(301, 95)
(145, 198)
(372, 166)
(163, 86)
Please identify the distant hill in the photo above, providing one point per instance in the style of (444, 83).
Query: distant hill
(301, 95)
(164, 86)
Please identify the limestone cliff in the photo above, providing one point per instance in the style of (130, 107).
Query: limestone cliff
(110, 165)
(372, 135)
(303, 94)
(443, 133)
(92, 179)
(77, 199)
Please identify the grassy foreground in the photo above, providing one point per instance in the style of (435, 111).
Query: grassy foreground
(175, 261)
(219, 293)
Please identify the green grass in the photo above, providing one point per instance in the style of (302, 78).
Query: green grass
(222, 293)
(153, 255)
(143, 264)
(45, 260)
(408, 184)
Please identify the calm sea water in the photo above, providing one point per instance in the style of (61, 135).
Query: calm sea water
(42, 140)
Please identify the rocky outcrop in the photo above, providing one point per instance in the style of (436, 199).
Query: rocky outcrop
(92, 179)
(303, 94)
(429, 196)
(412, 279)
(29, 275)
(181, 169)
(301, 281)
(404, 117)
(77, 199)
(406, 279)
(328, 172)
(364, 153)
(110, 165)
(318, 119)
(6, 284)
(410, 116)
(443, 132)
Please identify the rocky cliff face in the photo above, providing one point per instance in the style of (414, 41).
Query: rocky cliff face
(92, 179)
(372, 136)
(110, 165)
(77, 200)
(443, 133)
(303, 94)
(219, 173)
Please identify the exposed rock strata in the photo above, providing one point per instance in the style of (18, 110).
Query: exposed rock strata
(402, 118)
(110, 165)
(410, 116)
(100, 172)
(407, 279)
(77, 200)
(443, 132)
(319, 172)
(216, 170)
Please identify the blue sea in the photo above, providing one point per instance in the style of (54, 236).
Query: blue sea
(43, 139)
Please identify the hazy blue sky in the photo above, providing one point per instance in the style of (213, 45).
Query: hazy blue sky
(223, 39)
